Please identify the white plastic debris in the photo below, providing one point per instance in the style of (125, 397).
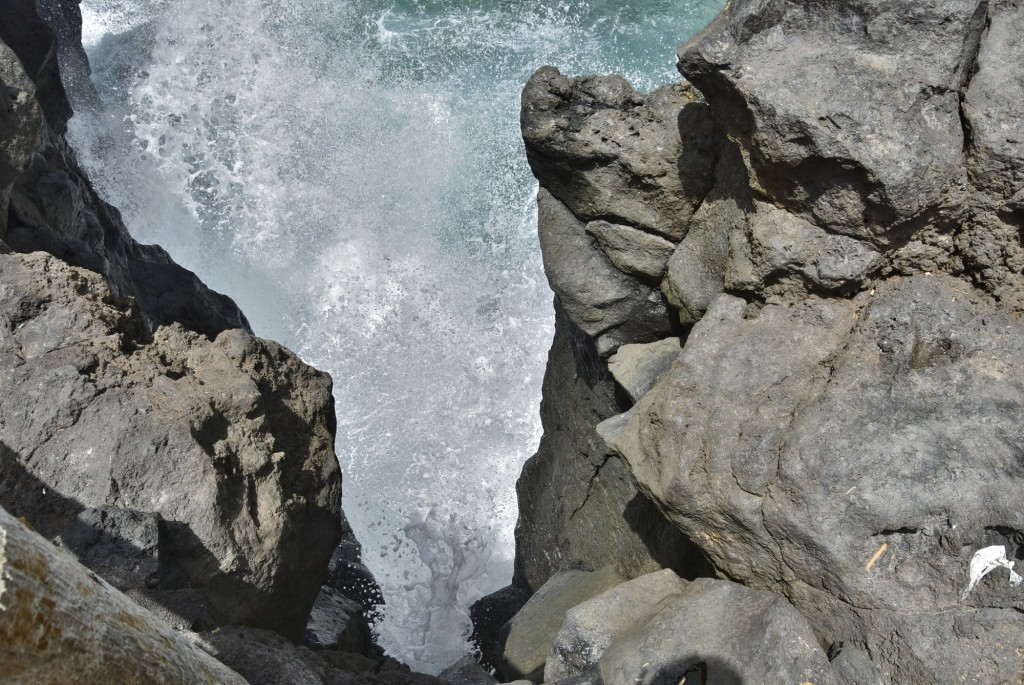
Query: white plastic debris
(987, 560)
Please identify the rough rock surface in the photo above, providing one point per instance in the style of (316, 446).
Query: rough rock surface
(578, 506)
(609, 152)
(48, 204)
(660, 628)
(60, 623)
(608, 305)
(841, 426)
(848, 113)
(728, 633)
(638, 367)
(528, 636)
(229, 441)
(852, 468)
(591, 627)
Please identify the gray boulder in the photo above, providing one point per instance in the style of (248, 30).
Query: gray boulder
(848, 113)
(229, 441)
(530, 633)
(608, 305)
(638, 367)
(609, 152)
(593, 626)
(841, 452)
(719, 633)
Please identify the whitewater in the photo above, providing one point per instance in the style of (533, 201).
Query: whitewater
(351, 173)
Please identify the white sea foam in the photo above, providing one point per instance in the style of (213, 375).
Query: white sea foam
(351, 172)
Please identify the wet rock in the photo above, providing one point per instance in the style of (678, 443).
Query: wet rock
(609, 152)
(530, 633)
(638, 367)
(841, 452)
(229, 441)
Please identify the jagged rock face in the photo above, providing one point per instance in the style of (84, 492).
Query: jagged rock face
(853, 455)
(229, 441)
(609, 152)
(848, 111)
(578, 506)
(841, 426)
(48, 204)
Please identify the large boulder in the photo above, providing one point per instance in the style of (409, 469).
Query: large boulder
(842, 452)
(229, 441)
(848, 112)
(660, 629)
(609, 152)
(530, 633)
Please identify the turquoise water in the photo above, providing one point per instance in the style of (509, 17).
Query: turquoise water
(352, 174)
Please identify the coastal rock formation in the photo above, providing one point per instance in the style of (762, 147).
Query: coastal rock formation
(660, 628)
(47, 203)
(229, 441)
(143, 428)
(840, 427)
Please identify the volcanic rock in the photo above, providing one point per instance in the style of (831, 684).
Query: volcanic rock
(229, 441)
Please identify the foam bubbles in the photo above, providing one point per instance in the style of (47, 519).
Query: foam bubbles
(351, 172)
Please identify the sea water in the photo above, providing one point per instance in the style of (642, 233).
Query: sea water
(351, 173)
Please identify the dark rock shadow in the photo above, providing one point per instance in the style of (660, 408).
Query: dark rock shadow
(682, 671)
(150, 566)
(666, 544)
(709, 671)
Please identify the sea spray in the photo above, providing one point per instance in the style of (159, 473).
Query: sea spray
(351, 173)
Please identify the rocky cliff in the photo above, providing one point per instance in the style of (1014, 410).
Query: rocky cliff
(788, 352)
(150, 436)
